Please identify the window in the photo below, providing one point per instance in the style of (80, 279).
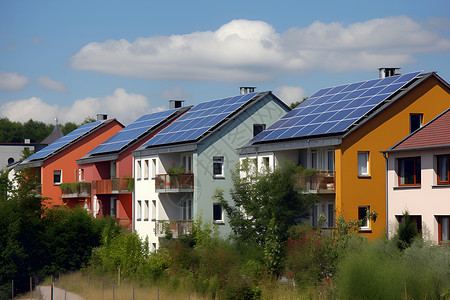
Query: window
(153, 168)
(363, 163)
(153, 209)
(57, 177)
(146, 171)
(138, 170)
(409, 172)
(218, 166)
(415, 122)
(113, 207)
(217, 213)
(139, 210)
(187, 210)
(257, 128)
(444, 229)
(314, 159)
(187, 163)
(266, 163)
(80, 175)
(146, 210)
(330, 160)
(330, 215)
(362, 215)
(443, 169)
(416, 219)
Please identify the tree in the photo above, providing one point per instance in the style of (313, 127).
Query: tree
(261, 196)
(296, 103)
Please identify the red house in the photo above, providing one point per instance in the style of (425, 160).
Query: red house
(56, 167)
(109, 166)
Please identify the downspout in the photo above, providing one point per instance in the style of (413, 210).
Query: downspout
(386, 188)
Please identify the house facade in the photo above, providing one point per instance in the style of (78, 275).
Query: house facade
(178, 171)
(109, 166)
(418, 180)
(56, 164)
(340, 131)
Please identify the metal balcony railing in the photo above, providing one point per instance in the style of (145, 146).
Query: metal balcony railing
(174, 227)
(321, 182)
(168, 183)
(113, 186)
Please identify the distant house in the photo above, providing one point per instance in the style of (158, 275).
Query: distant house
(340, 131)
(419, 180)
(109, 166)
(178, 170)
(56, 163)
(10, 153)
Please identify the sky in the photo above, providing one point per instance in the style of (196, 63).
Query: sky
(74, 59)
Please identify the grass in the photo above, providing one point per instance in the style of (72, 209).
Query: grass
(91, 289)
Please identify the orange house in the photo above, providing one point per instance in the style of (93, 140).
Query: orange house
(56, 163)
(109, 166)
(340, 131)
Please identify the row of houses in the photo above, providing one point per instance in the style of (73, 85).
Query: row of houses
(381, 145)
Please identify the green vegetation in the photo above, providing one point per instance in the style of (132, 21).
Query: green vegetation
(75, 187)
(36, 131)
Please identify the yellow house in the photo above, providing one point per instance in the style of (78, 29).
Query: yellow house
(340, 132)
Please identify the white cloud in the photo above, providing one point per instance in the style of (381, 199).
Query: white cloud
(49, 84)
(244, 50)
(12, 82)
(290, 94)
(126, 107)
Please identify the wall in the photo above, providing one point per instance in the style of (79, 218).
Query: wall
(429, 200)
(380, 133)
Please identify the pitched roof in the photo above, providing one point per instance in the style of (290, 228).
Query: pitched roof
(55, 135)
(64, 142)
(336, 111)
(435, 133)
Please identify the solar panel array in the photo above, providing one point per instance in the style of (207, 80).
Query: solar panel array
(60, 143)
(199, 120)
(334, 109)
(133, 131)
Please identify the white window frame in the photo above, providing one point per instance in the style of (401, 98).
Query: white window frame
(55, 172)
(365, 226)
(146, 212)
(363, 162)
(216, 220)
(138, 170)
(218, 160)
(139, 210)
(153, 170)
(146, 170)
(153, 209)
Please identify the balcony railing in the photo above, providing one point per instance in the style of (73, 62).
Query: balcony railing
(113, 186)
(76, 189)
(168, 183)
(321, 182)
(174, 227)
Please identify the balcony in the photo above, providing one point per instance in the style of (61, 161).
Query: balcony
(321, 182)
(75, 190)
(113, 186)
(174, 227)
(174, 183)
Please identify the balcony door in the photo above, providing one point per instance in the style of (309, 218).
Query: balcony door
(113, 207)
(187, 163)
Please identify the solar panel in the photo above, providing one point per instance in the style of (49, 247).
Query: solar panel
(60, 143)
(199, 119)
(334, 109)
(133, 131)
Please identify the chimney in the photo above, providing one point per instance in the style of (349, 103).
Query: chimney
(388, 72)
(101, 117)
(247, 89)
(176, 103)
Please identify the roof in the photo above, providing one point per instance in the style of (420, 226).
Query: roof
(134, 132)
(54, 136)
(435, 133)
(334, 110)
(204, 118)
(63, 143)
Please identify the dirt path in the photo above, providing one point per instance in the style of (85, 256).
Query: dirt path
(58, 294)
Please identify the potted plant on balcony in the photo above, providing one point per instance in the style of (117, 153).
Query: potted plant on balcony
(174, 174)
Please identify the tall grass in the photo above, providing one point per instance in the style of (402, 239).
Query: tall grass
(380, 271)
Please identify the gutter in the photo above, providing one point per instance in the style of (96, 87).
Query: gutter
(386, 191)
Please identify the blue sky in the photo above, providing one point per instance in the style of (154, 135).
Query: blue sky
(126, 58)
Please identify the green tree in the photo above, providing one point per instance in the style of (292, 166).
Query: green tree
(297, 103)
(259, 197)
